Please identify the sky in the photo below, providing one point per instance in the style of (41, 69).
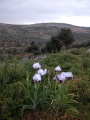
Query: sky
(74, 12)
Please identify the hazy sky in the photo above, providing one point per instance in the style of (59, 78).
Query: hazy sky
(75, 12)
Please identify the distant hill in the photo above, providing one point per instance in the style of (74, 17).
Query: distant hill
(40, 32)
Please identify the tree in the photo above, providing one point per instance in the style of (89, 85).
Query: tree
(56, 44)
(32, 47)
(49, 46)
(65, 36)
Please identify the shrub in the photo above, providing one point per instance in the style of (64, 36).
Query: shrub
(76, 51)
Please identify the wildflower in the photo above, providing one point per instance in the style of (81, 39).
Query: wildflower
(58, 68)
(42, 72)
(60, 77)
(37, 78)
(69, 75)
(45, 71)
(57, 72)
(36, 66)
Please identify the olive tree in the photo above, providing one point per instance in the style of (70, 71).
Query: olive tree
(64, 37)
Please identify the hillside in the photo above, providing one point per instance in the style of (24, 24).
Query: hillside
(39, 32)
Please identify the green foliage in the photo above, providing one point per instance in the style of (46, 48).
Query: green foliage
(65, 36)
(49, 46)
(11, 96)
(69, 58)
(76, 51)
(82, 89)
(63, 101)
(32, 47)
(56, 43)
(35, 95)
(86, 63)
(50, 61)
(48, 95)
(13, 72)
(18, 94)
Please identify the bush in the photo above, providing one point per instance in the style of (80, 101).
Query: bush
(76, 51)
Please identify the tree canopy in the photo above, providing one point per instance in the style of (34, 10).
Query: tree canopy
(64, 37)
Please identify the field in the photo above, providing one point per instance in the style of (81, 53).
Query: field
(21, 99)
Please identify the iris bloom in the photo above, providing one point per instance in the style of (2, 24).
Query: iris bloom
(37, 78)
(58, 68)
(36, 66)
(62, 76)
(42, 72)
(69, 75)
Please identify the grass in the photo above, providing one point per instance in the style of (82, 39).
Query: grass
(47, 100)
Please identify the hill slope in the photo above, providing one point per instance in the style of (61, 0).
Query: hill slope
(39, 32)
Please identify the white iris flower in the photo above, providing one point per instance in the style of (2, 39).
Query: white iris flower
(36, 78)
(36, 66)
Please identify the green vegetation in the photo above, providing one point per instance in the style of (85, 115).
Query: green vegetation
(32, 48)
(20, 99)
(63, 38)
(15, 40)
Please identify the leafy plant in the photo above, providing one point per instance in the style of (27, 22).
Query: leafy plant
(63, 102)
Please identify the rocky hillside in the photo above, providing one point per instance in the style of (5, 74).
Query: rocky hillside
(39, 32)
